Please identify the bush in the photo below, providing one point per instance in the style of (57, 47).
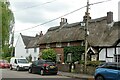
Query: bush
(8, 59)
(49, 54)
(93, 63)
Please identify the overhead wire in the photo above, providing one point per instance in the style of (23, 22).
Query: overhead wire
(61, 16)
(35, 5)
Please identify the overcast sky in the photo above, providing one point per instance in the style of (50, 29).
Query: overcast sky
(29, 13)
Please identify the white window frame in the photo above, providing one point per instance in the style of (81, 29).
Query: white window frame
(68, 44)
(58, 57)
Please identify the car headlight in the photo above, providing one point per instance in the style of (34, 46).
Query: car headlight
(21, 65)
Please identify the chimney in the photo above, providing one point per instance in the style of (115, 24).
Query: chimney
(109, 17)
(63, 21)
(85, 17)
(41, 34)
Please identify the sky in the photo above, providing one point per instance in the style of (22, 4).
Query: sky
(30, 13)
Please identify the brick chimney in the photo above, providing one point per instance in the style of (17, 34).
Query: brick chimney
(109, 17)
(63, 21)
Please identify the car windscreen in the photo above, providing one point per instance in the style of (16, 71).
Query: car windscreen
(22, 61)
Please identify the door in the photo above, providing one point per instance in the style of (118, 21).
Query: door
(14, 65)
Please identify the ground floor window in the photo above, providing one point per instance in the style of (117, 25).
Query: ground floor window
(117, 57)
(58, 57)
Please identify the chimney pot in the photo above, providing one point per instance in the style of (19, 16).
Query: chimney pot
(109, 17)
(63, 21)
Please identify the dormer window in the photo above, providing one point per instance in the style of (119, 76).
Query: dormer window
(58, 44)
(48, 45)
(82, 24)
(68, 44)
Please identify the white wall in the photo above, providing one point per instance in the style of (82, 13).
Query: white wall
(33, 54)
(110, 53)
(20, 50)
(102, 55)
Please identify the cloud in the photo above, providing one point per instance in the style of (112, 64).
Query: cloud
(25, 14)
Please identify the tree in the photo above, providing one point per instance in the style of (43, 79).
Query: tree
(49, 54)
(7, 21)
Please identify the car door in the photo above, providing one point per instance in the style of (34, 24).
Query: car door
(34, 65)
(14, 64)
(118, 75)
(39, 65)
(111, 72)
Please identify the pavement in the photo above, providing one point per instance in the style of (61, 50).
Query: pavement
(75, 75)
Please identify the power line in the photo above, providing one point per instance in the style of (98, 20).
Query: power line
(53, 19)
(61, 16)
(99, 2)
(36, 5)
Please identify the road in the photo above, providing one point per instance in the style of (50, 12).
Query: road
(24, 75)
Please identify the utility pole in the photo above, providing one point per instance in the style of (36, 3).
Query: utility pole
(86, 18)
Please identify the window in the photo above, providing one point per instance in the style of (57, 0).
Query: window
(35, 58)
(35, 50)
(69, 57)
(68, 44)
(58, 44)
(26, 50)
(47, 45)
(117, 57)
(58, 57)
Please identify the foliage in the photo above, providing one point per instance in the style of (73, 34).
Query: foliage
(7, 20)
(29, 58)
(76, 52)
(93, 63)
(8, 59)
(49, 54)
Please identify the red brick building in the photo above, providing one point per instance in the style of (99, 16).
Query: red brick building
(74, 34)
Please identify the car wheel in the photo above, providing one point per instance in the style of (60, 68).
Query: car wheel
(18, 68)
(30, 70)
(41, 72)
(99, 77)
(55, 73)
(11, 68)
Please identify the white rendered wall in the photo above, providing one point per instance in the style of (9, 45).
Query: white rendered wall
(20, 50)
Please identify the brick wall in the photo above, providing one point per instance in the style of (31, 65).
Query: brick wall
(78, 68)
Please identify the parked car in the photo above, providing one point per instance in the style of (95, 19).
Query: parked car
(43, 67)
(19, 64)
(108, 71)
(4, 64)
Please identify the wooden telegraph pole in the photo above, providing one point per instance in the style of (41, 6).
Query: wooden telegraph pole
(86, 18)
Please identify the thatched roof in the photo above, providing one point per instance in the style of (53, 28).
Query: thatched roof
(33, 43)
(100, 33)
(29, 41)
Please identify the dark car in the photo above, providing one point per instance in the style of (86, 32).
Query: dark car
(108, 71)
(4, 64)
(43, 67)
